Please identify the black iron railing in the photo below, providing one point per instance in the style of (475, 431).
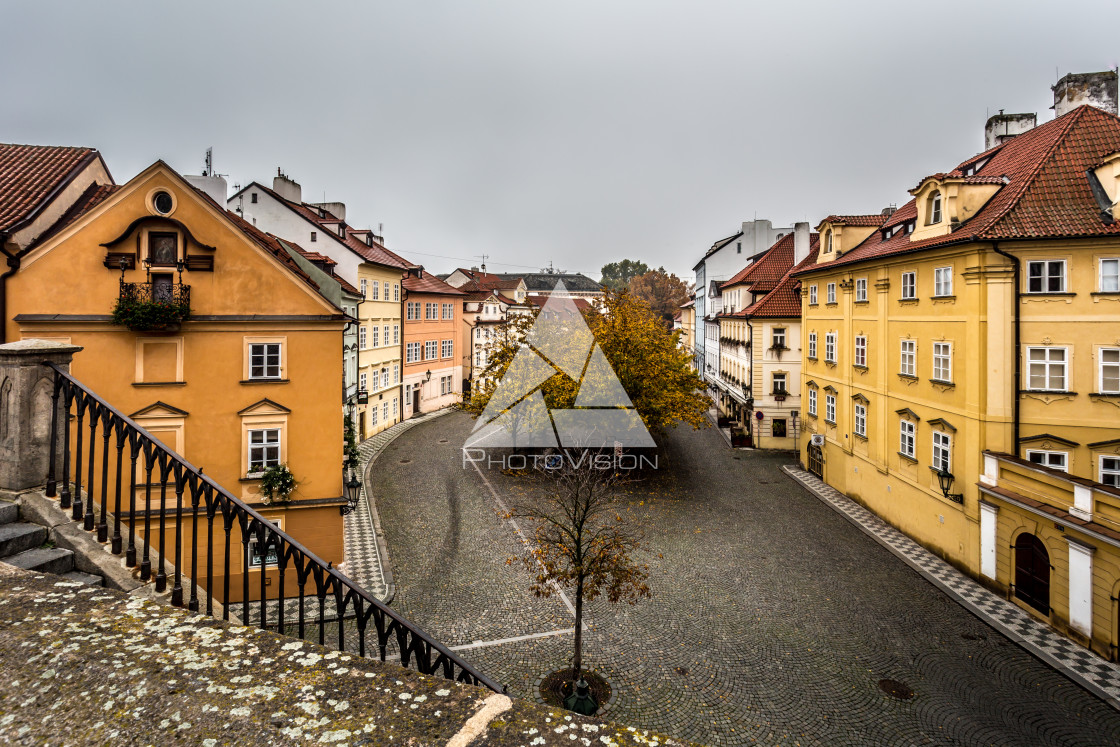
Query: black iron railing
(175, 294)
(94, 442)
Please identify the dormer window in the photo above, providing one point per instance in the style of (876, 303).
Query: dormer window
(369, 239)
(828, 244)
(342, 230)
(934, 214)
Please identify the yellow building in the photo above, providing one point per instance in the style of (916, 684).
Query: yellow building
(251, 378)
(963, 368)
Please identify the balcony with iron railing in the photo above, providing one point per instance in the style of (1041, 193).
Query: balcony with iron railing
(152, 305)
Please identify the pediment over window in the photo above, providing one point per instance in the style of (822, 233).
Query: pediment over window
(811, 384)
(1049, 437)
(830, 388)
(860, 398)
(1105, 444)
(265, 407)
(159, 410)
(943, 423)
(906, 412)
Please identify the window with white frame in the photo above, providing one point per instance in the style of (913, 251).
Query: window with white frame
(264, 449)
(375, 295)
(812, 344)
(830, 408)
(386, 337)
(906, 438)
(1109, 371)
(385, 411)
(271, 557)
(431, 349)
(1110, 471)
(373, 416)
(943, 281)
(778, 339)
(861, 289)
(1046, 276)
(375, 336)
(384, 377)
(362, 337)
(396, 334)
(448, 311)
(908, 363)
(943, 361)
(812, 295)
(1047, 368)
(362, 287)
(1051, 459)
(831, 293)
(861, 419)
(412, 352)
(934, 209)
(396, 373)
(412, 311)
(909, 285)
(941, 451)
(363, 380)
(861, 351)
(396, 292)
(1110, 276)
(396, 404)
(813, 402)
(780, 383)
(387, 291)
(830, 347)
(447, 348)
(264, 360)
(431, 311)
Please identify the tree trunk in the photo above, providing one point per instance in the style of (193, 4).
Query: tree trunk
(577, 660)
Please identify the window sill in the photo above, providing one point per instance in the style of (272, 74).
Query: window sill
(832, 303)
(1114, 294)
(910, 377)
(943, 298)
(864, 301)
(830, 422)
(811, 357)
(858, 367)
(1104, 394)
(1047, 391)
(860, 436)
(941, 382)
(252, 477)
(812, 415)
(908, 301)
(908, 458)
(1035, 294)
(265, 381)
(159, 383)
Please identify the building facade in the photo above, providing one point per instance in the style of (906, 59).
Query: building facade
(433, 369)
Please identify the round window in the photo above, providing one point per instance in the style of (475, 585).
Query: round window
(163, 202)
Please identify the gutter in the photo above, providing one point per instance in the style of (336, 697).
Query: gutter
(13, 265)
(1018, 383)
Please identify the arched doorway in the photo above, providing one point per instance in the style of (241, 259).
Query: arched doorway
(1032, 572)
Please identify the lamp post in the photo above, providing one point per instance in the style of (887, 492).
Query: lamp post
(353, 491)
(581, 700)
(945, 481)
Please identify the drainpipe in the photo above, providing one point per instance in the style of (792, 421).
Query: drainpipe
(1018, 384)
(13, 265)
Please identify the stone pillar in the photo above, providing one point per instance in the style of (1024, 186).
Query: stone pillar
(26, 386)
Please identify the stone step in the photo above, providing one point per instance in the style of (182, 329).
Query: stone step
(44, 560)
(17, 537)
(88, 579)
(9, 512)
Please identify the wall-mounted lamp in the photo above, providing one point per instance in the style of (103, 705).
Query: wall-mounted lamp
(353, 491)
(428, 376)
(945, 480)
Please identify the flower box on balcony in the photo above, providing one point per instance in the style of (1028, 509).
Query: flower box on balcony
(152, 306)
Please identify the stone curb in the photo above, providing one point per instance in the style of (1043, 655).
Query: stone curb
(1013, 635)
(389, 434)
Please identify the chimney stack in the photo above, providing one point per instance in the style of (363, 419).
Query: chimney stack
(1002, 127)
(1094, 89)
(287, 188)
(800, 242)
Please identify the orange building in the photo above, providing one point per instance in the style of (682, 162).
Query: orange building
(247, 376)
(433, 369)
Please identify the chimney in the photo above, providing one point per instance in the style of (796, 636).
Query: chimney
(337, 209)
(215, 186)
(1094, 89)
(800, 242)
(889, 210)
(1002, 127)
(286, 188)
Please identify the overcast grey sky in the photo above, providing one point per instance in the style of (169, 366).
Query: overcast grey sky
(578, 132)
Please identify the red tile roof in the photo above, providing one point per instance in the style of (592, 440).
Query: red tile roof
(765, 272)
(856, 220)
(538, 300)
(429, 283)
(1046, 193)
(316, 257)
(785, 300)
(30, 173)
(485, 281)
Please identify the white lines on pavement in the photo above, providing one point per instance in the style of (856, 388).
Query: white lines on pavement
(516, 639)
(521, 536)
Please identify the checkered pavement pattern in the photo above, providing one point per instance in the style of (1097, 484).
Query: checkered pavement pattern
(362, 560)
(1079, 664)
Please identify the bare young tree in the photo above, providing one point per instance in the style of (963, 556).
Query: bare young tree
(580, 538)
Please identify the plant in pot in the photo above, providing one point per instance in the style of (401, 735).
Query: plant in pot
(141, 314)
(277, 485)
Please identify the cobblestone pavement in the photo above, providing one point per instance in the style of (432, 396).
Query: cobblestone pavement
(772, 621)
(1091, 671)
(361, 553)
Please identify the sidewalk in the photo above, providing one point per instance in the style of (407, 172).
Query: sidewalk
(1100, 677)
(366, 561)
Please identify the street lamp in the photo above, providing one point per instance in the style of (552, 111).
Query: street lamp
(428, 376)
(353, 491)
(582, 701)
(945, 480)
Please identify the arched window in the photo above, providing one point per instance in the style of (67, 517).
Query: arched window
(828, 243)
(934, 212)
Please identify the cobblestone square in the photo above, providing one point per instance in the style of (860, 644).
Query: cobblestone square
(772, 619)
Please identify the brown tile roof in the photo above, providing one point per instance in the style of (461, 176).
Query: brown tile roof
(429, 283)
(485, 281)
(316, 257)
(1046, 193)
(30, 173)
(856, 220)
(538, 300)
(785, 300)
